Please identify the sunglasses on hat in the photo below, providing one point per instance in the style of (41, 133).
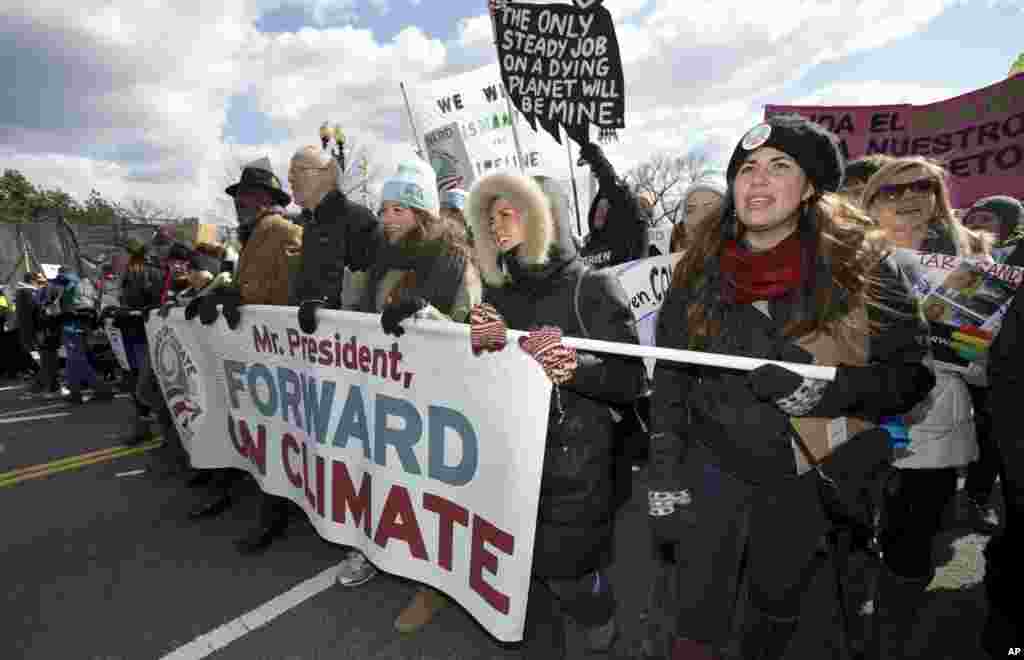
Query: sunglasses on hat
(890, 192)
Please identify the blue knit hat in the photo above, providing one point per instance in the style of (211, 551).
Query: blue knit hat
(414, 184)
(454, 198)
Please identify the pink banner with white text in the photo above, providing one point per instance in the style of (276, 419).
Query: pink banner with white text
(979, 136)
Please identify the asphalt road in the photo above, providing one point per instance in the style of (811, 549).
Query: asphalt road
(97, 565)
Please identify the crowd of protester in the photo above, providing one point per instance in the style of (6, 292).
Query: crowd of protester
(786, 256)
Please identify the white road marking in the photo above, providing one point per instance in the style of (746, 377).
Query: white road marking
(31, 410)
(130, 473)
(218, 638)
(33, 418)
(7, 388)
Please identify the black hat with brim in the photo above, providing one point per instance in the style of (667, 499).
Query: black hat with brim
(259, 175)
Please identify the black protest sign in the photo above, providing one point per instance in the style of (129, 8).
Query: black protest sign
(560, 65)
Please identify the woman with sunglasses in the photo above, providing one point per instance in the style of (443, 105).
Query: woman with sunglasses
(909, 198)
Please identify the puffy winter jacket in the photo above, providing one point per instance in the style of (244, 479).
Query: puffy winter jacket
(576, 511)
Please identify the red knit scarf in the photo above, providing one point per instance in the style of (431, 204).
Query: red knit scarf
(761, 275)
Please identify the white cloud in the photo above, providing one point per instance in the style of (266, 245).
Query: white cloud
(137, 93)
(475, 32)
(875, 92)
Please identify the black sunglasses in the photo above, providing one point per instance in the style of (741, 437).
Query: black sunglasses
(893, 191)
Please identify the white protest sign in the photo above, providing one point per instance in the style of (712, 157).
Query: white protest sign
(405, 448)
(475, 103)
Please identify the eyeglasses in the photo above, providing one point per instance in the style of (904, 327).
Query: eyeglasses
(891, 192)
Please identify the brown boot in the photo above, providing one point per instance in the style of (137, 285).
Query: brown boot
(424, 605)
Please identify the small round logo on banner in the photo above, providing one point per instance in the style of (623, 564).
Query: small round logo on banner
(756, 137)
(179, 377)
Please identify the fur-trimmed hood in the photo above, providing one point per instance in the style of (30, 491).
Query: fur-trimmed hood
(541, 209)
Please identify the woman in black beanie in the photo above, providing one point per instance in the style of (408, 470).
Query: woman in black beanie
(738, 459)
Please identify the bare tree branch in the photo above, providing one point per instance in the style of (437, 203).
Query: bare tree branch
(667, 177)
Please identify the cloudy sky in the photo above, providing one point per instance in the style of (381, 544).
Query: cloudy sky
(160, 100)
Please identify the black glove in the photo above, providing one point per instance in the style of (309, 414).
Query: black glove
(163, 310)
(395, 313)
(208, 309)
(230, 309)
(192, 308)
(590, 154)
(869, 392)
(307, 315)
(793, 393)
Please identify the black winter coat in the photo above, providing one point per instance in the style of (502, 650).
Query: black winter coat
(339, 233)
(576, 511)
(141, 289)
(716, 408)
(624, 234)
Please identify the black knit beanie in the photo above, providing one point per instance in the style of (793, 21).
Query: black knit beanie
(812, 146)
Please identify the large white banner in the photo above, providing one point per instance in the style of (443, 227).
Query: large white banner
(417, 452)
(475, 105)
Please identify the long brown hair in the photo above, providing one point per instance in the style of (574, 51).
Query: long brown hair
(441, 231)
(845, 242)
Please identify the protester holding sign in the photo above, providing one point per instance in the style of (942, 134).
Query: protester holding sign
(1000, 216)
(909, 198)
(546, 288)
(785, 274)
(617, 221)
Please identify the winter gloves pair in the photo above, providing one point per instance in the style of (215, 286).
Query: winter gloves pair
(206, 308)
(489, 332)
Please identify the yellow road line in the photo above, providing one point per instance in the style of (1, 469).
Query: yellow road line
(62, 461)
(75, 462)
